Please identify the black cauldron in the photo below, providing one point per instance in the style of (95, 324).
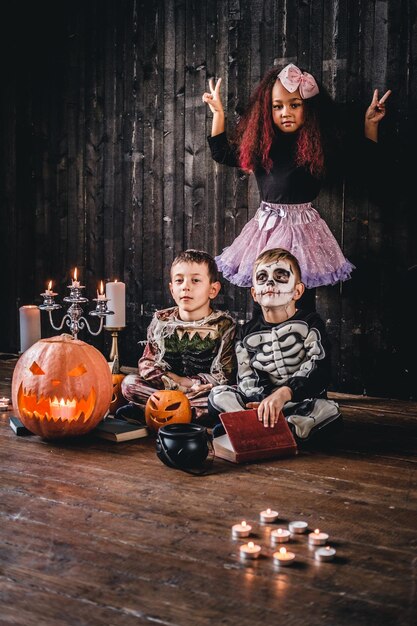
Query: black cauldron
(182, 446)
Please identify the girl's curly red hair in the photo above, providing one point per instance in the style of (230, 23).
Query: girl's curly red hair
(255, 131)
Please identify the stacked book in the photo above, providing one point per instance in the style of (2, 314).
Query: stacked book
(110, 428)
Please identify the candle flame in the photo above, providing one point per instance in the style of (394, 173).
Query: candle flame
(101, 288)
(115, 280)
(243, 523)
(279, 530)
(75, 274)
(67, 403)
(283, 550)
(251, 544)
(317, 531)
(50, 285)
(268, 511)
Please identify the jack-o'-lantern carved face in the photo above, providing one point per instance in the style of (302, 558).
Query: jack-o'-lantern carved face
(61, 386)
(167, 407)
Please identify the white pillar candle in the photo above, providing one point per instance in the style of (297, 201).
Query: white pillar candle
(30, 326)
(100, 294)
(115, 292)
(75, 282)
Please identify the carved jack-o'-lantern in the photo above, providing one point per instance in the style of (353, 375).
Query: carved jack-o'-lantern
(167, 407)
(61, 387)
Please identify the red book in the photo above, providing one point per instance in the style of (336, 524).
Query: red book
(247, 439)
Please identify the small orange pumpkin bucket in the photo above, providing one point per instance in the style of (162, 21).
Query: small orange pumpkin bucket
(167, 407)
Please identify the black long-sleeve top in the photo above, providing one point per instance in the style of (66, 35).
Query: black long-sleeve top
(288, 183)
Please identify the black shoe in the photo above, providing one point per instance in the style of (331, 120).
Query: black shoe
(130, 413)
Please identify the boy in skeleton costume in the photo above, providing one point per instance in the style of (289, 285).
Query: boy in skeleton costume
(190, 347)
(283, 355)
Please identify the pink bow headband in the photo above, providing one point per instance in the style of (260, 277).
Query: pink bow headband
(292, 78)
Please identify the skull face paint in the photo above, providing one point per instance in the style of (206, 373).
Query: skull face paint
(274, 284)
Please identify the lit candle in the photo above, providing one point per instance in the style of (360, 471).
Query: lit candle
(101, 295)
(325, 554)
(4, 403)
(280, 535)
(268, 515)
(75, 282)
(241, 530)
(115, 292)
(298, 527)
(48, 291)
(317, 538)
(250, 550)
(63, 409)
(30, 326)
(283, 557)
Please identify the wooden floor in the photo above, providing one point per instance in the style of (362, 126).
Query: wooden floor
(95, 533)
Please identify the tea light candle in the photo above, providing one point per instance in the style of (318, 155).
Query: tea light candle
(115, 292)
(241, 530)
(30, 326)
(4, 403)
(250, 550)
(280, 535)
(283, 557)
(75, 283)
(268, 515)
(317, 538)
(325, 554)
(298, 527)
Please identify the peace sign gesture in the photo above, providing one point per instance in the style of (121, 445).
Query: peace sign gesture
(213, 98)
(376, 110)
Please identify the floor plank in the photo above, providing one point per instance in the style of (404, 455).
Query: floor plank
(98, 533)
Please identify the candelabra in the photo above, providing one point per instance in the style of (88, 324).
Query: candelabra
(74, 317)
(114, 350)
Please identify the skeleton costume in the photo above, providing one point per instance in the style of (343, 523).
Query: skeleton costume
(201, 350)
(294, 353)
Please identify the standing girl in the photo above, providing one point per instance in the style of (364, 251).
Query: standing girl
(285, 138)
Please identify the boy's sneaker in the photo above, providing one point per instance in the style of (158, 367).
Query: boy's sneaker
(312, 417)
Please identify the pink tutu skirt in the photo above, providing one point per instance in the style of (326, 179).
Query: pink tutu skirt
(294, 227)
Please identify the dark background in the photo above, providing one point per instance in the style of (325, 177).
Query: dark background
(105, 165)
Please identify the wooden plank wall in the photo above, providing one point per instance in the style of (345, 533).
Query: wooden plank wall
(105, 162)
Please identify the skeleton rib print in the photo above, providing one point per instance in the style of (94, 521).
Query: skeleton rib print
(290, 349)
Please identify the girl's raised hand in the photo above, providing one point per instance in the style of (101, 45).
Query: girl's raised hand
(213, 98)
(376, 110)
